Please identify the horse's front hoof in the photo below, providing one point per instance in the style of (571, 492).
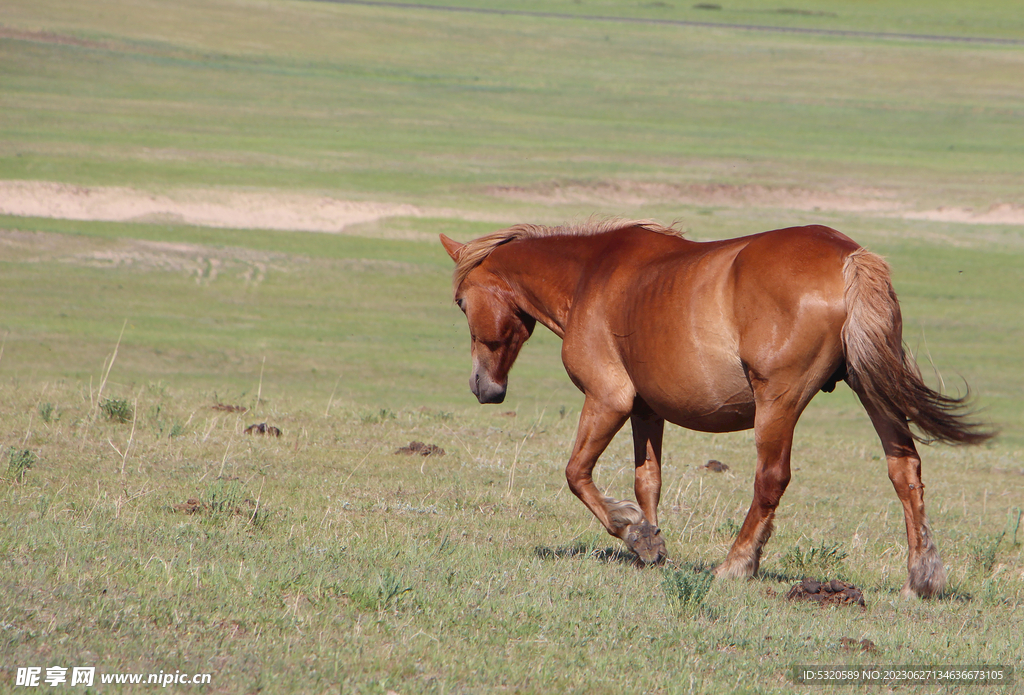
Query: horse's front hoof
(731, 569)
(645, 540)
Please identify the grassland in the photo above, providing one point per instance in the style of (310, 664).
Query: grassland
(321, 561)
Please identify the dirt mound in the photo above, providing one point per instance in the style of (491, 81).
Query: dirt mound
(195, 506)
(227, 408)
(849, 644)
(263, 428)
(831, 593)
(421, 449)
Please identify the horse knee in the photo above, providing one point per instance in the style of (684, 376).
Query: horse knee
(577, 481)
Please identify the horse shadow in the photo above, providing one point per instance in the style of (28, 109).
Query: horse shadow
(609, 555)
(605, 555)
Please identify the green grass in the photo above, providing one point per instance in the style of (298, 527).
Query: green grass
(440, 106)
(912, 17)
(321, 561)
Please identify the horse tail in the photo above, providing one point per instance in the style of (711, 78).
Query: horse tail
(879, 369)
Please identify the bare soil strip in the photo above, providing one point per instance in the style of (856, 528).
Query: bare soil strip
(867, 201)
(205, 208)
(278, 210)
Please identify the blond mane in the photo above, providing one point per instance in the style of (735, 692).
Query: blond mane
(474, 252)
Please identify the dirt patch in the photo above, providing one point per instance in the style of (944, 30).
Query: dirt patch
(849, 644)
(190, 506)
(264, 429)
(194, 506)
(421, 449)
(206, 208)
(226, 408)
(269, 209)
(830, 593)
(1002, 213)
(636, 193)
(864, 200)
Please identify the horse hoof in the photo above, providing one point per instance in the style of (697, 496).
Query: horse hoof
(734, 570)
(645, 540)
(907, 593)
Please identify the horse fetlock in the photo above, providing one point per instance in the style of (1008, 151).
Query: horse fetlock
(926, 575)
(739, 566)
(645, 540)
(623, 514)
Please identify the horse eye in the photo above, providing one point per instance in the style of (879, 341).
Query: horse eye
(462, 304)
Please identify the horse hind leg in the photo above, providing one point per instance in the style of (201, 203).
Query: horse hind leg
(926, 576)
(775, 421)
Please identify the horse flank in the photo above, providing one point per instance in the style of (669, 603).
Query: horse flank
(474, 252)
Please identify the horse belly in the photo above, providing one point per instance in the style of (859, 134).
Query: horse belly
(700, 393)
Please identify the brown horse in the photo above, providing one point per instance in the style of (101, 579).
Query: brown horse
(716, 336)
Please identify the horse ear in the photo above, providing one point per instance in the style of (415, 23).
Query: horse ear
(453, 247)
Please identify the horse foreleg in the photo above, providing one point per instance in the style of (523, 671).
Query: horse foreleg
(648, 430)
(926, 575)
(622, 518)
(773, 431)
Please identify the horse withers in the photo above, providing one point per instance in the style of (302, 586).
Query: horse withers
(714, 336)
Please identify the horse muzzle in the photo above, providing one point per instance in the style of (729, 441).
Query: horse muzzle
(486, 389)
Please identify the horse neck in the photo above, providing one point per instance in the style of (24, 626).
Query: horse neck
(543, 273)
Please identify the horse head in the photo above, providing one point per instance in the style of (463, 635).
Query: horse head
(498, 328)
